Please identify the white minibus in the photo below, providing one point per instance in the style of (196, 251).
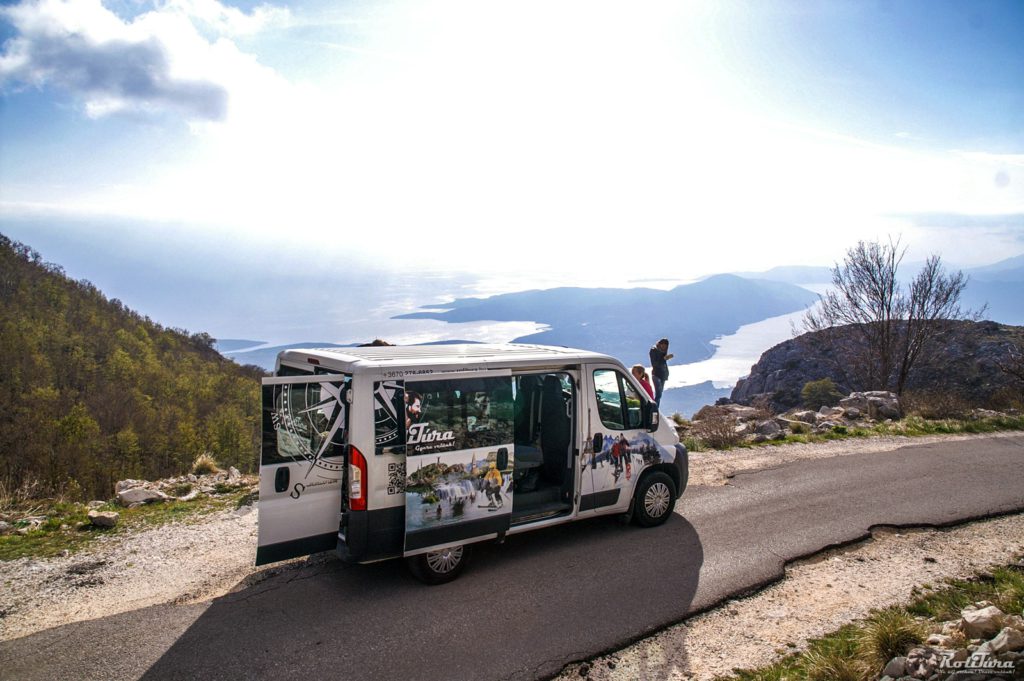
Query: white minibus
(421, 451)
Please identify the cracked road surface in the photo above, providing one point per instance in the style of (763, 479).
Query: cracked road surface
(524, 609)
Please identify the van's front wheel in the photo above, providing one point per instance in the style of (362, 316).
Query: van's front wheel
(655, 498)
(438, 567)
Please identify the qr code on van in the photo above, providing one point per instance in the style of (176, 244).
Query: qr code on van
(396, 478)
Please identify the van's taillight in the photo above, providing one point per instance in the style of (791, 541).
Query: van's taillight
(356, 480)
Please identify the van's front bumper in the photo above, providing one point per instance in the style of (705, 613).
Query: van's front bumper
(682, 463)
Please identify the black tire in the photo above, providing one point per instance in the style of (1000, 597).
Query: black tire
(439, 567)
(654, 499)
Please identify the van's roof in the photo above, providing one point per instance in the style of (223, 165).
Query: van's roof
(483, 355)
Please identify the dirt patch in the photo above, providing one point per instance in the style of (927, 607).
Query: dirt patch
(178, 562)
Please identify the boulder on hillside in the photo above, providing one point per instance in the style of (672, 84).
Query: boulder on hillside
(140, 495)
(104, 518)
(877, 404)
(981, 623)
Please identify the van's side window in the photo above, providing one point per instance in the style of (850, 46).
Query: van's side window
(461, 413)
(531, 390)
(304, 421)
(618, 403)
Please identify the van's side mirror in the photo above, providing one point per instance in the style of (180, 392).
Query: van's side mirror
(651, 416)
(502, 458)
(598, 442)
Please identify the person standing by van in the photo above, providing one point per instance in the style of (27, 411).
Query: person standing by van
(659, 368)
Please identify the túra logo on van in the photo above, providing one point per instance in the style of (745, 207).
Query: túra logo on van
(420, 433)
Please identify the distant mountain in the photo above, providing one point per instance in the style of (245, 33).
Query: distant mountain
(1011, 269)
(232, 344)
(792, 274)
(626, 322)
(1001, 286)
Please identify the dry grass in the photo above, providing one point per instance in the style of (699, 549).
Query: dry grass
(888, 634)
(205, 465)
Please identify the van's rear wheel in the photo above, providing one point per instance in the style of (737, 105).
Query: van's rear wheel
(438, 567)
(655, 498)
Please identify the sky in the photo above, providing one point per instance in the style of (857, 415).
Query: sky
(673, 139)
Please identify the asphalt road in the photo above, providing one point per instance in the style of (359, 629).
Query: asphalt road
(524, 609)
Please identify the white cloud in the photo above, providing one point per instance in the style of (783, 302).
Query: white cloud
(157, 61)
(558, 135)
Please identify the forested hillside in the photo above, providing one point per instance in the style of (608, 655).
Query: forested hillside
(92, 392)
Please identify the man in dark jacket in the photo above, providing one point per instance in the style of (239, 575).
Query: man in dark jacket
(659, 368)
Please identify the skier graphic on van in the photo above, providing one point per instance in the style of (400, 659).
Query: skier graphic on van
(492, 486)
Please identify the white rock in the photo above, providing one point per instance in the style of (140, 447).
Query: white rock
(128, 484)
(805, 416)
(1008, 641)
(855, 401)
(982, 623)
(139, 495)
(104, 518)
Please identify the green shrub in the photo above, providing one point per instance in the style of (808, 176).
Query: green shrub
(820, 393)
(799, 428)
(181, 489)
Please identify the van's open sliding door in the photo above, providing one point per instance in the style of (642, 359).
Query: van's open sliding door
(459, 458)
(302, 464)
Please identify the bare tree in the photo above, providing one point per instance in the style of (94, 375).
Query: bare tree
(893, 324)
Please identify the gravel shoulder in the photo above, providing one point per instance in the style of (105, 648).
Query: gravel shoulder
(196, 561)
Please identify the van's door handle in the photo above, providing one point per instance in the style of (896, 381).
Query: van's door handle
(281, 479)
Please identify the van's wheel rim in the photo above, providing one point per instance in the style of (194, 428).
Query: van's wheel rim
(444, 561)
(656, 499)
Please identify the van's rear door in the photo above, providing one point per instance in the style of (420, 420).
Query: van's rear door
(459, 459)
(302, 463)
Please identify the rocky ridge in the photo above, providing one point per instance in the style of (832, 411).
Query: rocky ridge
(963, 363)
